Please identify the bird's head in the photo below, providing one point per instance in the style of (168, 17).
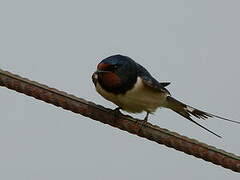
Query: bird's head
(116, 74)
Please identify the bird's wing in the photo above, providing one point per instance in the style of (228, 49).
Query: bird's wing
(153, 83)
(164, 84)
(150, 81)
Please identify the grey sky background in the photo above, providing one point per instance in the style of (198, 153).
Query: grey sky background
(193, 44)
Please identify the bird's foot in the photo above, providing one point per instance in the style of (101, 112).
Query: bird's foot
(144, 121)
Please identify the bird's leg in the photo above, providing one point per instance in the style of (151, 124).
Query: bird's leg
(146, 117)
(144, 121)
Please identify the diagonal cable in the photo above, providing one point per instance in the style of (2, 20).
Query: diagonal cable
(126, 123)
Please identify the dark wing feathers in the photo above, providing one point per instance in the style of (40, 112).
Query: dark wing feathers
(164, 84)
(150, 81)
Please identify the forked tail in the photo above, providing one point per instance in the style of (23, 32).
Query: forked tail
(188, 111)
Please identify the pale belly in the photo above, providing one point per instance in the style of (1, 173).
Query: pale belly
(140, 98)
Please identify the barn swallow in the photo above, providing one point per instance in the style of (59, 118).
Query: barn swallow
(132, 88)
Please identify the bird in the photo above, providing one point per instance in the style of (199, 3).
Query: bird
(133, 89)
